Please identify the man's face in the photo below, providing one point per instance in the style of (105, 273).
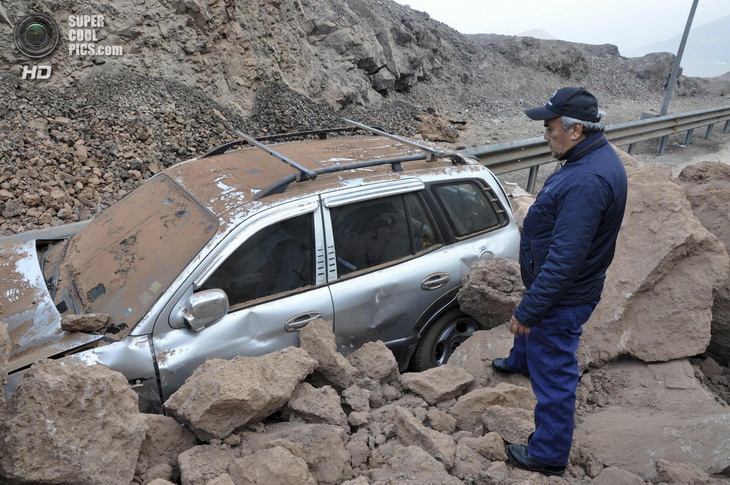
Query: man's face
(559, 140)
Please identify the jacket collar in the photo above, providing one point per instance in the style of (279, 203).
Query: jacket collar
(585, 147)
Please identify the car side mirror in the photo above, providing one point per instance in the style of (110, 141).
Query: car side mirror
(204, 308)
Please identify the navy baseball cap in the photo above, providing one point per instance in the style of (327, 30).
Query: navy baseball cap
(572, 102)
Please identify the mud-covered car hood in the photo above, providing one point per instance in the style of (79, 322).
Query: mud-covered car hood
(33, 321)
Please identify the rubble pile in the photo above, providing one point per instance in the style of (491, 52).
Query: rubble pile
(438, 426)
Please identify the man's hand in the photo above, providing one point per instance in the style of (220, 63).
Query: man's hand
(517, 328)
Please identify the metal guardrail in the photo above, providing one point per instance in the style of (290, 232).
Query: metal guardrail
(533, 152)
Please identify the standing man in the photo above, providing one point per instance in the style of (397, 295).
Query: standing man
(568, 241)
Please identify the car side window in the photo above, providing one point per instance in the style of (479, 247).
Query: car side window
(468, 208)
(278, 258)
(379, 231)
(370, 233)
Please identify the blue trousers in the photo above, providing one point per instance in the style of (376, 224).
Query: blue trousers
(547, 354)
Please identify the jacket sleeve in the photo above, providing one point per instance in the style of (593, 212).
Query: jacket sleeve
(579, 215)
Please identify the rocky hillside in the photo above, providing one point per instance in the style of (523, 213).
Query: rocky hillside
(652, 406)
(193, 70)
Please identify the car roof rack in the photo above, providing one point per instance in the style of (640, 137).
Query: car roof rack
(303, 173)
(320, 133)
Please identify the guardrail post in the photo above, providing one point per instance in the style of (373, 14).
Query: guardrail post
(532, 179)
(709, 130)
(663, 144)
(644, 116)
(727, 127)
(688, 137)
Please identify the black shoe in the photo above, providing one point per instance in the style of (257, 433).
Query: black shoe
(519, 458)
(500, 365)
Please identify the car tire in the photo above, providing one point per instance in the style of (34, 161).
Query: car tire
(442, 338)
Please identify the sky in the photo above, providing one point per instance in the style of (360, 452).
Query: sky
(629, 24)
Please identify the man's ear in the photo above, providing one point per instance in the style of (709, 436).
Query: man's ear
(576, 131)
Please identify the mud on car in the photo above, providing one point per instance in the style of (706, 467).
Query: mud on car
(234, 252)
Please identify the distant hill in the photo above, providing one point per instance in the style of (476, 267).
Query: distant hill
(706, 54)
(538, 34)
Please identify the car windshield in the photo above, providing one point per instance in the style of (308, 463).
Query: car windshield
(128, 256)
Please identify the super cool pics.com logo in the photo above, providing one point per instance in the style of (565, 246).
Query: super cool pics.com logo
(36, 36)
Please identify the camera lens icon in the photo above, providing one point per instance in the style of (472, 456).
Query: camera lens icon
(36, 35)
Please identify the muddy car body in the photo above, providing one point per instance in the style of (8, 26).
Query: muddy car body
(232, 253)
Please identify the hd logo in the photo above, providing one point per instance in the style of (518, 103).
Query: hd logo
(36, 36)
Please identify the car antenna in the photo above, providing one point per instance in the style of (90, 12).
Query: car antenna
(430, 152)
(304, 173)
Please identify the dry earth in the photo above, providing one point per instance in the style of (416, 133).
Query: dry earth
(193, 71)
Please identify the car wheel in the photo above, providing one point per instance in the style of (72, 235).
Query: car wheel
(442, 338)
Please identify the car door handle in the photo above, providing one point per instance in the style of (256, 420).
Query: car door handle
(434, 281)
(300, 321)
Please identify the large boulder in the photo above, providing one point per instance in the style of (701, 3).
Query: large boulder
(271, 465)
(71, 423)
(476, 354)
(655, 412)
(318, 405)
(438, 383)
(412, 465)
(204, 464)
(375, 361)
(468, 410)
(164, 441)
(411, 432)
(321, 446)
(707, 185)
(318, 339)
(657, 300)
(491, 291)
(223, 395)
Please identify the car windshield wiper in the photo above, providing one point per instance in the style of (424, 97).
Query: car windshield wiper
(53, 285)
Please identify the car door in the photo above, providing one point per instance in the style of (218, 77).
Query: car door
(269, 272)
(390, 264)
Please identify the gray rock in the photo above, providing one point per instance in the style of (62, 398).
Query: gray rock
(412, 465)
(679, 473)
(491, 291)
(490, 446)
(671, 280)
(164, 441)
(438, 383)
(86, 322)
(707, 185)
(223, 395)
(202, 464)
(469, 408)
(271, 465)
(71, 423)
(321, 446)
(318, 405)
(616, 476)
(513, 425)
(375, 361)
(655, 412)
(318, 339)
(412, 433)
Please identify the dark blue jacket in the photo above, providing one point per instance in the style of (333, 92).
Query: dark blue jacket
(569, 233)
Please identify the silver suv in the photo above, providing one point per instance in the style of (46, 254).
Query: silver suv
(234, 252)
